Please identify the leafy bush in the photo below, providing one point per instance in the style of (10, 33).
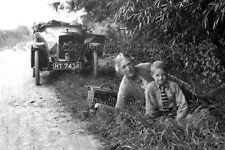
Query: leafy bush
(192, 23)
(196, 64)
(191, 59)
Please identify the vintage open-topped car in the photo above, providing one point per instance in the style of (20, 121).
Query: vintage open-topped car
(64, 46)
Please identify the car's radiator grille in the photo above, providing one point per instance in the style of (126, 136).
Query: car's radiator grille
(72, 44)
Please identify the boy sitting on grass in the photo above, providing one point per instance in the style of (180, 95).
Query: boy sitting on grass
(164, 97)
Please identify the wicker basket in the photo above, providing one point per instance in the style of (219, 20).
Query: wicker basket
(101, 95)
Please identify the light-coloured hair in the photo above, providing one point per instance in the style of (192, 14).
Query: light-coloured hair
(119, 58)
(158, 65)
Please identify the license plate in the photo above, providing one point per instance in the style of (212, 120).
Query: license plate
(67, 66)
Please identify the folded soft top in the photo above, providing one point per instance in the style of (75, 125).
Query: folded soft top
(54, 23)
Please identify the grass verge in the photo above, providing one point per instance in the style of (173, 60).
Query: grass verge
(131, 130)
(202, 130)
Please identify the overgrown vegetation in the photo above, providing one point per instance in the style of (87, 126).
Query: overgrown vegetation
(181, 29)
(189, 35)
(131, 130)
(203, 129)
(10, 38)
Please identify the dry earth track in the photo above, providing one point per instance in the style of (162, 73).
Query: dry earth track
(28, 120)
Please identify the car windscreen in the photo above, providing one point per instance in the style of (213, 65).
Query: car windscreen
(62, 29)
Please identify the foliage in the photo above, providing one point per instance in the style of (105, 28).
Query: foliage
(186, 33)
(176, 22)
(186, 61)
(97, 10)
(181, 20)
(131, 130)
(10, 38)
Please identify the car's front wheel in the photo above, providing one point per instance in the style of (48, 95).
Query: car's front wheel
(33, 72)
(36, 69)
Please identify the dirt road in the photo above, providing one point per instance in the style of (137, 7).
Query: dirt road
(29, 118)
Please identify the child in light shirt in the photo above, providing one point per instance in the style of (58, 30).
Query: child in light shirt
(163, 96)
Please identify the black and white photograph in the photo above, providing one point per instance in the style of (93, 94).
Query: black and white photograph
(112, 75)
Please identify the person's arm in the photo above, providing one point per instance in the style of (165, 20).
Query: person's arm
(120, 103)
(122, 95)
(122, 99)
(150, 104)
(181, 103)
(181, 84)
(143, 70)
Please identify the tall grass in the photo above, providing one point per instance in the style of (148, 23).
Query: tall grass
(132, 130)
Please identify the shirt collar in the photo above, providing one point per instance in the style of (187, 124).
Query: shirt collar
(166, 85)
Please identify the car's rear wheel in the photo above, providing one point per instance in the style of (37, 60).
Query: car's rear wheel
(36, 69)
(95, 63)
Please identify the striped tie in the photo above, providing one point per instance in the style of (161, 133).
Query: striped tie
(165, 100)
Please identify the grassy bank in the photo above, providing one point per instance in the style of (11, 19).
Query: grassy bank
(130, 130)
(203, 130)
(9, 38)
